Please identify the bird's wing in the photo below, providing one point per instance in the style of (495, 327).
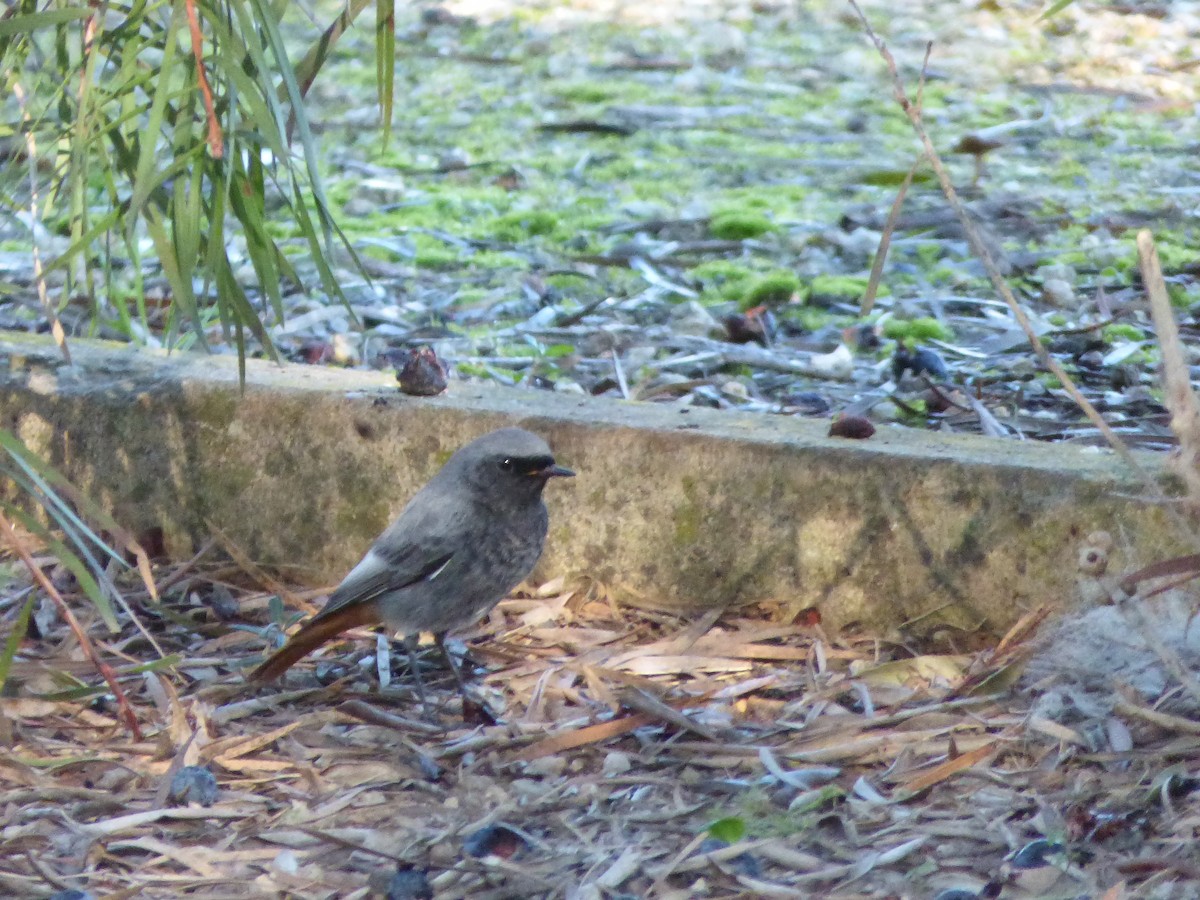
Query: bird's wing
(381, 572)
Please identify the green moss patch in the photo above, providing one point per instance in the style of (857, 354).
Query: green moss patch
(773, 289)
(917, 330)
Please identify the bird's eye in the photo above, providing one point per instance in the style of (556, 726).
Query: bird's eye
(506, 465)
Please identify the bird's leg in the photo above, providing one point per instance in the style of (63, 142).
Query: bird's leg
(411, 642)
(475, 708)
(440, 639)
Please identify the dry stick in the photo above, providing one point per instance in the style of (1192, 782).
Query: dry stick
(1177, 384)
(126, 711)
(216, 141)
(56, 329)
(1186, 568)
(889, 227)
(1163, 720)
(885, 240)
(1002, 288)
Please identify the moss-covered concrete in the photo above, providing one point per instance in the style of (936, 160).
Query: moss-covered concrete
(677, 508)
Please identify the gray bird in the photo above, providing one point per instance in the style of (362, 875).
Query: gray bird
(460, 545)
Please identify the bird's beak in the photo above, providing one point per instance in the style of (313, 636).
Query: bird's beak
(554, 471)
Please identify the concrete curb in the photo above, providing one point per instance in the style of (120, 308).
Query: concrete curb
(672, 508)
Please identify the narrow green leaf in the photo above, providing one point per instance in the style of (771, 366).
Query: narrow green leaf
(243, 312)
(55, 762)
(185, 299)
(300, 116)
(143, 181)
(19, 627)
(71, 562)
(85, 692)
(246, 202)
(385, 62)
(318, 53)
(31, 22)
(55, 483)
(1055, 8)
(99, 227)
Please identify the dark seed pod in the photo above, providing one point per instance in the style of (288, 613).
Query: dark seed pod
(855, 427)
(423, 374)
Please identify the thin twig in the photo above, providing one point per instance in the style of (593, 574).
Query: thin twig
(889, 227)
(885, 239)
(216, 141)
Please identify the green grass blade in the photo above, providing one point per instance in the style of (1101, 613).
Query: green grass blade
(143, 181)
(54, 486)
(296, 101)
(385, 62)
(185, 299)
(13, 643)
(73, 564)
(242, 312)
(1055, 8)
(30, 23)
(318, 53)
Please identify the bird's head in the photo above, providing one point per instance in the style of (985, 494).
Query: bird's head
(510, 464)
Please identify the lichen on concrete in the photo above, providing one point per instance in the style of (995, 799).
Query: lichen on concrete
(683, 510)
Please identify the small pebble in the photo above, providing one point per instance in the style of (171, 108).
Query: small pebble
(922, 361)
(808, 403)
(286, 861)
(854, 427)
(838, 363)
(454, 159)
(566, 386)
(926, 360)
(1058, 293)
(546, 767)
(193, 784)
(381, 191)
(616, 763)
(756, 325)
(1060, 271)
(344, 347)
(409, 884)
(222, 602)
(735, 390)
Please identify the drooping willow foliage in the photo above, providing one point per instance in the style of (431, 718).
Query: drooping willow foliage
(154, 136)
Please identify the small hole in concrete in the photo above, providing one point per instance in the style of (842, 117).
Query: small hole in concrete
(365, 430)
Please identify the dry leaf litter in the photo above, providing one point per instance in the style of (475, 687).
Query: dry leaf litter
(634, 754)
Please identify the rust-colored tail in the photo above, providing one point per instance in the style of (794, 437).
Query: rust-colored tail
(313, 634)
